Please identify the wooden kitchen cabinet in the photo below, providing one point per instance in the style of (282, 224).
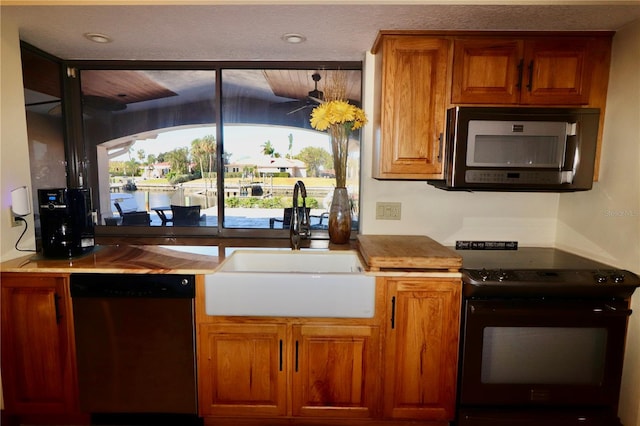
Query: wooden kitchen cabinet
(412, 85)
(534, 70)
(335, 370)
(243, 369)
(263, 368)
(38, 352)
(421, 348)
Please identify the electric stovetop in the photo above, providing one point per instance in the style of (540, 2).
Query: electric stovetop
(494, 269)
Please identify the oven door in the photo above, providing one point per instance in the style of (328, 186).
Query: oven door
(542, 352)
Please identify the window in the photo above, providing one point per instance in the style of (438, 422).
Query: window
(152, 141)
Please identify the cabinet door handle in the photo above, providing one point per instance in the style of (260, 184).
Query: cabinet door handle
(393, 312)
(280, 361)
(296, 356)
(530, 85)
(520, 70)
(440, 144)
(56, 305)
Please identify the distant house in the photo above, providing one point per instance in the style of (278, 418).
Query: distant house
(156, 170)
(269, 165)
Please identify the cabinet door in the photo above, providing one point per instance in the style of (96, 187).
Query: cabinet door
(412, 107)
(335, 371)
(558, 72)
(38, 369)
(242, 369)
(487, 71)
(421, 348)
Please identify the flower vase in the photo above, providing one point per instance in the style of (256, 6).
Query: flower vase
(340, 217)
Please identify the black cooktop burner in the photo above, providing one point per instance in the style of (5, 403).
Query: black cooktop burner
(541, 272)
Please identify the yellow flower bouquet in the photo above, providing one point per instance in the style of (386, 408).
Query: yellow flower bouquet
(339, 118)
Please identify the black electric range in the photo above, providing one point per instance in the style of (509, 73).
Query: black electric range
(541, 272)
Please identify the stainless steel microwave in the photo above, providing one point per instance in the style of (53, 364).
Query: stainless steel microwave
(520, 149)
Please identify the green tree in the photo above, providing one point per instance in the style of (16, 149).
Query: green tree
(140, 154)
(289, 155)
(203, 151)
(178, 160)
(268, 149)
(315, 159)
(131, 167)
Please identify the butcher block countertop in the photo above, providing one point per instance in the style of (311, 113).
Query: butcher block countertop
(119, 260)
(380, 253)
(404, 252)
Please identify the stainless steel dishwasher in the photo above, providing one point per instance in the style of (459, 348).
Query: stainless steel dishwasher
(135, 343)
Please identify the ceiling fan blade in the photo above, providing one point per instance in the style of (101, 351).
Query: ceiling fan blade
(298, 109)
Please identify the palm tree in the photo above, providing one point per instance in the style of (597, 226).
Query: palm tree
(268, 149)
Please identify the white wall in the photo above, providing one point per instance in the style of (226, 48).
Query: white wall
(14, 151)
(604, 223)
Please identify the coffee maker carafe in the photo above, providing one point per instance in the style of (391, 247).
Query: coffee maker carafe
(66, 222)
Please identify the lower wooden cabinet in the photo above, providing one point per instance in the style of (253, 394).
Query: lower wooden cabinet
(396, 368)
(38, 356)
(421, 348)
(335, 370)
(243, 369)
(271, 369)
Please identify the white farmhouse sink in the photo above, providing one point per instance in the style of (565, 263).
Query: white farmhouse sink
(291, 283)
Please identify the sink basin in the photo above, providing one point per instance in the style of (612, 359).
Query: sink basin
(292, 284)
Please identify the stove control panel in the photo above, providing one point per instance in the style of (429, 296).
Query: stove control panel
(556, 277)
(541, 283)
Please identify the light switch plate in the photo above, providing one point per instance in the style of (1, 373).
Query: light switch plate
(388, 210)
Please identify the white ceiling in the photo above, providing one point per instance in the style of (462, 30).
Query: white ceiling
(252, 29)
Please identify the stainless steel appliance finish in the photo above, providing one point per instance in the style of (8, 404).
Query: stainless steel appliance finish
(542, 339)
(520, 149)
(135, 343)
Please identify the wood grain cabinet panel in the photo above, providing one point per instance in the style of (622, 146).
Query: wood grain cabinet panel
(38, 351)
(487, 71)
(421, 348)
(335, 371)
(527, 71)
(242, 370)
(412, 107)
(558, 72)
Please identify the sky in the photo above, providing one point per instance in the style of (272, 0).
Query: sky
(240, 141)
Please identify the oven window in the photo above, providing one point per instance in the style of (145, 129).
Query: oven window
(543, 355)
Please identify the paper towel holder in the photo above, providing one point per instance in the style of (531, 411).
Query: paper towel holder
(20, 201)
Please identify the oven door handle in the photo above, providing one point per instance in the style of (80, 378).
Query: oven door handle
(604, 309)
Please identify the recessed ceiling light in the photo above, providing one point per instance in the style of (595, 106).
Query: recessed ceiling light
(98, 38)
(293, 38)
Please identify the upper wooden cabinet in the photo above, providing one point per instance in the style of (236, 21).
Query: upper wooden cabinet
(412, 86)
(419, 74)
(528, 71)
(38, 353)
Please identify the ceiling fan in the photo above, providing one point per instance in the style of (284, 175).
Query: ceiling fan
(314, 97)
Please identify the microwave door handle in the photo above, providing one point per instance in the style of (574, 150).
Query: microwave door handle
(572, 154)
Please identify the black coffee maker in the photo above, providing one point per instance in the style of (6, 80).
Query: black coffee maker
(66, 222)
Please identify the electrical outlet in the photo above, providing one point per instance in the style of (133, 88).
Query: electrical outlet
(388, 210)
(14, 222)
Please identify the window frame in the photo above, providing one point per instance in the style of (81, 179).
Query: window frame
(80, 172)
